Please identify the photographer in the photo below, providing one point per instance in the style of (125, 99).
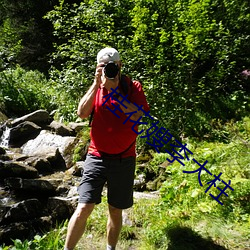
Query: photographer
(111, 154)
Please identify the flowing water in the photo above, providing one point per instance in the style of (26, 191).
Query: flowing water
(4, 140)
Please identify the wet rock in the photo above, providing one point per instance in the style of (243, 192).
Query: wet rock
(39, 117)
(76, 170)
(78, 126)
(140, 182)
(60, 208)
(2, 151)
(23, 132)
(16, 169)
(44, 223)
(47, 141)
(17, 230)
(42, 165)
(23, 211)
(35, 187)
(61, 129)
(3, 118)
(55, 158)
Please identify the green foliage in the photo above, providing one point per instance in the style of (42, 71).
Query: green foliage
(52, 240)
(82, 146)
(10, 44)
(232, 160)
(187, 54)
(24, 91)
(184, 216)
(26, 38)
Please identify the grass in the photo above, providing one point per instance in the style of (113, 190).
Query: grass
(184, 217)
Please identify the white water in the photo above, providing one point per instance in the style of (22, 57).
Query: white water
(4, 140)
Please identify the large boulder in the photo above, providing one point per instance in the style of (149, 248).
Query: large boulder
(33, 187)
(61, 129)
(22, 133)
(39, 117)
(16, 169)
(16, 230)
(41, 164)
(61, 208)
(23, 211)
(48, 142)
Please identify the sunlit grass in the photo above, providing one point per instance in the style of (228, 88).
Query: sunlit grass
(184, 216)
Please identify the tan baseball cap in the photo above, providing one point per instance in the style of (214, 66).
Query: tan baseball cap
(108, 54)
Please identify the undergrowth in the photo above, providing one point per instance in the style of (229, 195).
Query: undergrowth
(184, 216)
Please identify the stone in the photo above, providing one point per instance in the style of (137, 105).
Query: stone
(23, 211)
(140, 182)
(17, 230)
(16, 169)
(76, 170)
(41, 164)
(2, 151)
(33, 187)
(60, 208)
(22, 133)
(48, 142)
(39, 117)
(61, 129)
(78, 126)
(3, 117)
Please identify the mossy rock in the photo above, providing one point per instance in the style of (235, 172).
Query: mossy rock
(3, 117)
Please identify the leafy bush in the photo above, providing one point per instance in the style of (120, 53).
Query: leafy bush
(52, 240)
(188, 55)
(24, 91)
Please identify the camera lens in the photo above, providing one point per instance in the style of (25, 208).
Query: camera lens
(111, 70)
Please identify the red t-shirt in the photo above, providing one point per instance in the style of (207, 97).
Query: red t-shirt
(108, 133)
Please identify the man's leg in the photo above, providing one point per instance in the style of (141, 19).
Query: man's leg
(114, 225)
(77, 224)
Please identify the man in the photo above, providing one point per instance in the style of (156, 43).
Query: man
(111, 154)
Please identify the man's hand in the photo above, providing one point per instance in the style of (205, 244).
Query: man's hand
(98, 74)
(110, 83)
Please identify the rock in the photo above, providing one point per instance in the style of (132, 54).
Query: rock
(78, 126)
(42, 165)
(23, 211)
(23, 132)
(73, 192)
(16, 169)
(61, 129)
(55, 158)
(47, 141)
(39, 117)
(140, 182)
(18, 230)
(2, 151)
(76, 170)
(3, 118)
(44, 223)
(33, 187)
(60, 208)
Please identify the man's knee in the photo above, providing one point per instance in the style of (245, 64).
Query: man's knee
(113, 211)
(83, 210)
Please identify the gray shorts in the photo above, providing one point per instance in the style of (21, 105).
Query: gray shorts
(117, 173)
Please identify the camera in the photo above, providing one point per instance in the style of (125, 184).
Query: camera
(111, 69)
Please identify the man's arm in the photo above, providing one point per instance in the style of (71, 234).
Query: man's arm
(86, 104)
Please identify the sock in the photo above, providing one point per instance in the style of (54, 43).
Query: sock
(110, 247)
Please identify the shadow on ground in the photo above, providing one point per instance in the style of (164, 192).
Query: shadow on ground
(184, 238)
